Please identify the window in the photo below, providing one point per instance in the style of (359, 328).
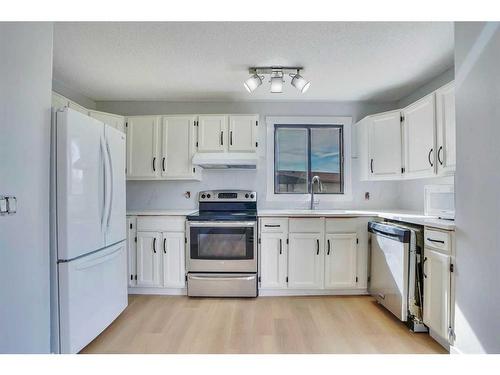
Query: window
(304, 151)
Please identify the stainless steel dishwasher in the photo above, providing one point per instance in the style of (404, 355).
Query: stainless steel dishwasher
(396, 270)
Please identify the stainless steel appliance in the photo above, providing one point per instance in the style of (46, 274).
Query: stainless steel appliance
(396, 270)
(221, 245)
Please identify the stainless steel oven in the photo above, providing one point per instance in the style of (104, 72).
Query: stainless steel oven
(219, 246)
(221, 249)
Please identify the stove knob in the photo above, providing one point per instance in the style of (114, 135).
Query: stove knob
(246, 195)
(203, 196)
(252, 196)
(208, 195)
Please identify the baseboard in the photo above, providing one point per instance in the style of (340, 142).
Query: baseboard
(312, 292)
(159, 291)
(262, 292)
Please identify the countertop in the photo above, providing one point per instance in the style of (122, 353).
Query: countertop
(160, 212)
(413, 217)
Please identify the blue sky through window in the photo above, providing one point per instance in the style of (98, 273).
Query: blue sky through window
(292, 146)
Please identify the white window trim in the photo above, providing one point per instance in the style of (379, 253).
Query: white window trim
(309, 120)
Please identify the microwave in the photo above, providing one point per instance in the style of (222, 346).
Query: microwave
(439, 201)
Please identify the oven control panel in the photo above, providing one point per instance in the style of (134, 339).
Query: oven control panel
(227, 196)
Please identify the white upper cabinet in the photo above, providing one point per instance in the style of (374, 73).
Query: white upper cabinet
(340, 261)
(384, 145)
(445, 122)
(78, 107)
(142, 147)
(421, 145)
(243, 133)
(273, 260)
(116, 121)
(419, 138)
(178, 147)
(173, 259)
(212, 133)
(59, 101)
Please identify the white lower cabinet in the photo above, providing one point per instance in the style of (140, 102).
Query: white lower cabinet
(173, 259)
(437, 291)
(131, 250)
(341, 261)
(305, 260)
(295, 253)
(148, 261)
(273, 260)
(156, 252)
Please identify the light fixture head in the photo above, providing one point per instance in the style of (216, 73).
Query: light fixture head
(300, 83)
(277, 82)
(252, 83)
(276, 74)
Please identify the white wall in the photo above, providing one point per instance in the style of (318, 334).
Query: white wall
(477, 61)
(169, 194)
(25, 89)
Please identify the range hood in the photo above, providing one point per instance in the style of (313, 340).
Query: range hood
(225, 160)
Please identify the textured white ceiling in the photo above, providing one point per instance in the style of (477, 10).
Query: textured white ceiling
(178, 61)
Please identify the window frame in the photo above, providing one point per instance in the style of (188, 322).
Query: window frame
(309, 171)
(303, 198)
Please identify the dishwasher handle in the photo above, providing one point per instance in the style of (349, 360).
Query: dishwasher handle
(390, 231)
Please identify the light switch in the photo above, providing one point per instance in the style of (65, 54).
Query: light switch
(3, 205)
(11, 205)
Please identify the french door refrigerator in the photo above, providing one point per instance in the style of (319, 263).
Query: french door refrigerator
(89, 263)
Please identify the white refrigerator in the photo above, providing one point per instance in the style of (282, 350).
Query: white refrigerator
(89, 262)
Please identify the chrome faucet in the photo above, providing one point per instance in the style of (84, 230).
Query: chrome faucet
(320, 187)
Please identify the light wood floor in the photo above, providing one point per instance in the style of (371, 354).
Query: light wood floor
(326, 324)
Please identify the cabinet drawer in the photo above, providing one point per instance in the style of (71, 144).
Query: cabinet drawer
(341, 225)
(161, 223)
(437, 239)
(274, 225)
(313, 225)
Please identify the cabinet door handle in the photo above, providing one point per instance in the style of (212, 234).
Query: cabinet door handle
(154, 245)
(371, 165)
(423, 267)
(272, 225)
(317, 247)
(328, 243)
(163, 164)
(281, 247)
(439, 155)
(222, 138)
(164, 245)
(429, 157)
(438, 241)
(154, 164)
(231, 137)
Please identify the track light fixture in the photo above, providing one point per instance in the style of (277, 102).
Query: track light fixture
(277, 75)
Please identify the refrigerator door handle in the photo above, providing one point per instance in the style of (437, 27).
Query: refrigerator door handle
(111, 184)
(104, 200)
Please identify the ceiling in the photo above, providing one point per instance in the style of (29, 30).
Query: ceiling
(208, 61)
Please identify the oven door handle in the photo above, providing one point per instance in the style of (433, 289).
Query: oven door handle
(222, 224)
(222, 278)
